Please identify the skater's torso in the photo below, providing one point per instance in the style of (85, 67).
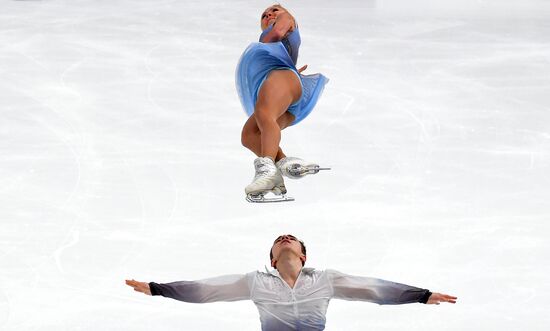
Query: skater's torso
(284, 308)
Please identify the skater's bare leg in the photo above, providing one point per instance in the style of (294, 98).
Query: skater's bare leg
(251, 135)
(278, 92)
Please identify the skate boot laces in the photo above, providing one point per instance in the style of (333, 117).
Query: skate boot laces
(263, 168)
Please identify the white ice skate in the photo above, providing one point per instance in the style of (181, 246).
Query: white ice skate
(296, 168)
(268, 179)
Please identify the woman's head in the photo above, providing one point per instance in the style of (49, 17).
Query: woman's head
(270, 15)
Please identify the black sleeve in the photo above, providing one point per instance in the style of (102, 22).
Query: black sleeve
(155, 288)
(426, 297)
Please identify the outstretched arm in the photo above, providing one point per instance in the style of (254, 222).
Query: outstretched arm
(223, 288)
(380, 291)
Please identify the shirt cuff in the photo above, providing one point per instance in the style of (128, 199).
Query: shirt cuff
(154, 288)
(425, 297)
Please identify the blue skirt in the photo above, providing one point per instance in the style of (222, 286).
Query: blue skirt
(256, 63)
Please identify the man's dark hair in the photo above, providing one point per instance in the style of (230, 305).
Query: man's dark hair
(301, 244)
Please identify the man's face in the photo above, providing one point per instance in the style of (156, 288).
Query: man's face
(287, 243)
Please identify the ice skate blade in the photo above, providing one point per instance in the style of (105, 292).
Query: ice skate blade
(261, 198)
(302, 171)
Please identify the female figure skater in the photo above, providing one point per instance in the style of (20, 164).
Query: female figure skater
(274, 95)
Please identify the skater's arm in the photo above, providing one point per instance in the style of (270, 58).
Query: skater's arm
(283, 25)
(223, 288)
(380, 291)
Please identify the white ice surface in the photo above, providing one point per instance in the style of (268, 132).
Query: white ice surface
(120, 157)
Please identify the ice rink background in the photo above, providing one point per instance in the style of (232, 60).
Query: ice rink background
(120, 158)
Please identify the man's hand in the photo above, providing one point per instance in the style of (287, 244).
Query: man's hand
(144, 287)
(437, 298)
(302, 69)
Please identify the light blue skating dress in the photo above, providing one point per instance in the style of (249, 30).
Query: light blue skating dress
(260, 58)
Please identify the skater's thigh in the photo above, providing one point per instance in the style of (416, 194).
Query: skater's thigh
(280, 89)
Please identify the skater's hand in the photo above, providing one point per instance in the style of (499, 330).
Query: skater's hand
(139, 286)
(302, 69)
(437, 298)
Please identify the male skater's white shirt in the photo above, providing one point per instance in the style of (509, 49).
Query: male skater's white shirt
(284, 308)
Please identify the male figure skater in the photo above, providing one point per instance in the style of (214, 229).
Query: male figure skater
(291, 297)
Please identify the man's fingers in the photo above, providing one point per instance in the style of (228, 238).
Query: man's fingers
(437, 298)
(135, 284)
(449, 298)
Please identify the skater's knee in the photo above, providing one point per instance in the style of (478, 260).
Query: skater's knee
(247, 138)
(244, 140)
(264, 115)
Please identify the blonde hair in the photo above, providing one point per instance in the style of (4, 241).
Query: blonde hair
(278, 5)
